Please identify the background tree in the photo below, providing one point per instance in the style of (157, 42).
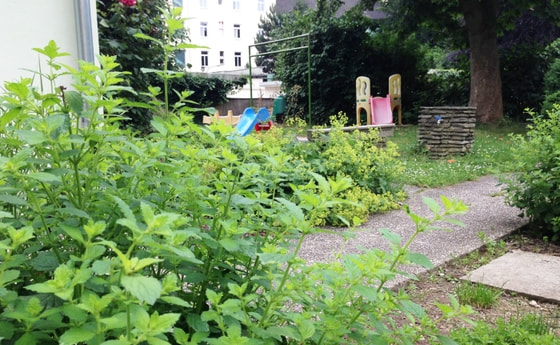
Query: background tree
(476, 25)
(342, 48)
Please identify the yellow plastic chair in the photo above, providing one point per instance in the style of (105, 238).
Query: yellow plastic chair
(363, 93)
(395, 94)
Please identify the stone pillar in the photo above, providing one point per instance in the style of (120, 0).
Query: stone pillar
(445, 131)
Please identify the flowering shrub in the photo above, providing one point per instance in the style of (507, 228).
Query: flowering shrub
(128, 3)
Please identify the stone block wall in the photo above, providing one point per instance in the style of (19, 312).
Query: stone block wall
(446, 131)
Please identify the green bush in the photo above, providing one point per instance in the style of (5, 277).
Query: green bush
(528, 330)
(371, 164)
(179, 237)
(534, 187)
(184, 236)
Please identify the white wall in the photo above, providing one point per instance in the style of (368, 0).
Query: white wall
(28, 24)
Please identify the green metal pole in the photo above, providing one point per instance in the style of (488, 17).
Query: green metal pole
(250, 80)
(309, 78)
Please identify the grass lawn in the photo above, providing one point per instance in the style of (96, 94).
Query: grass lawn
(491, 154)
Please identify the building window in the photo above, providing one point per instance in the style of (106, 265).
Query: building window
(236, 5)
(221, 57)
(236, 30)
(178, 3)
(180, 57)
(203, 29)
(203, 4)
(260, 5)
(204, 59)
(237, 59)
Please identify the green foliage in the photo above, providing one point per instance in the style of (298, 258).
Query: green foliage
(529, 329)
(491, 154)
(342, 48)
(551, 87)
(477, 295)
(535, 187)
(523, 70)
(364, 158)
(180, 237)
(145, 40)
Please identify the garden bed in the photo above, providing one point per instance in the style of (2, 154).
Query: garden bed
(386, 130)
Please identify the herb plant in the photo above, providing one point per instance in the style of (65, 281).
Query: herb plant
(186, 236)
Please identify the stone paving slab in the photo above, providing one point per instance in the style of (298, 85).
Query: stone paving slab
(534, 275)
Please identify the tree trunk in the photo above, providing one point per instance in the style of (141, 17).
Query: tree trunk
(486, 83)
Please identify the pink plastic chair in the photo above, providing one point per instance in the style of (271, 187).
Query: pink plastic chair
(381, 112)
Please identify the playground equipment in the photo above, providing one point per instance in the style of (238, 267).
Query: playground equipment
(395, 95)
(249, 120)
(230, 119)
(363, 95)
(381, 113)
(378, 109)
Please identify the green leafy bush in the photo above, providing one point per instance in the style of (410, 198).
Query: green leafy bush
(551, 87)
(179, 237)
(534, 187)
(370, 163)
(529, 330)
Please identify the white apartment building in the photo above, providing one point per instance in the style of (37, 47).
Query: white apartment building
(226, 28)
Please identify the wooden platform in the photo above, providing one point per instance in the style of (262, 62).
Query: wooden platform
(386, 130)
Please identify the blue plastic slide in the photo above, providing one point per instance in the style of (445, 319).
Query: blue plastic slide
(249, 119)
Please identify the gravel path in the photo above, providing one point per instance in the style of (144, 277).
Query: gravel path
(487, 213)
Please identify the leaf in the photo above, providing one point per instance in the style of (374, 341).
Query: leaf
(101, 267)
(125, 209)
(72, 211)
(13, 200)
(446, 340)
(432, 204)
(413, 308)
(75, 335)
(293, 209)
(8, 276)
(73, 232)
(323, 183)
(30, 137)
(75, 101)
(9, 116)
(45, 262)
(306, 329)
(195, 322)
(146, 289)
(229, 244)
(163, 323)
(44, 177)
(115, 321)
(176, 301)
(391, 236)
(419, 259)
(368, 292)
(137, 265)
(160, 127)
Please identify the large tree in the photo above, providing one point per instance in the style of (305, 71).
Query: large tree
(476, 26)
(486, 83)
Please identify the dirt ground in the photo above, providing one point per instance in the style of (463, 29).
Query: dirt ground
(438, 284)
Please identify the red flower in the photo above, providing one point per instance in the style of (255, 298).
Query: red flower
(128, 2)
